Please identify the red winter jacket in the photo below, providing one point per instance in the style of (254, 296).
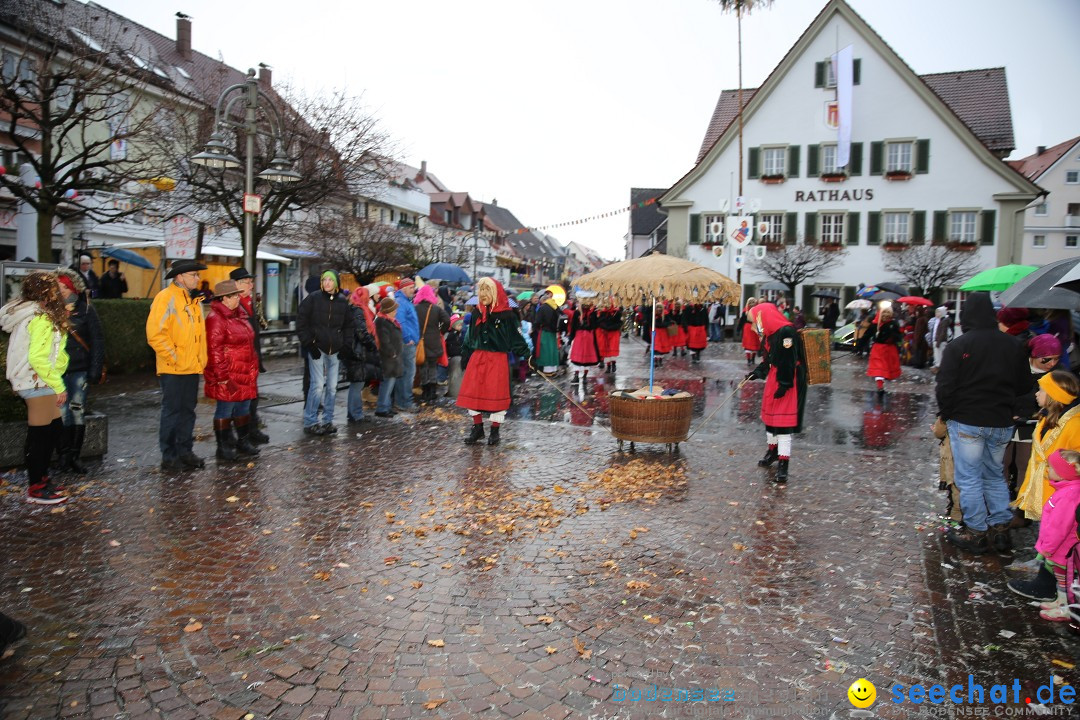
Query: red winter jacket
(232, 369)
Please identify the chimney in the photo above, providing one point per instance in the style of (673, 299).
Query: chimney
(495, 202)
(1040, 150)
(183, 36)
(422, 175)
(265, 75)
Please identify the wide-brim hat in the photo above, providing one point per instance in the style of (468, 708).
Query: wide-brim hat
(225, 287)
(184, 266)
(241, 274)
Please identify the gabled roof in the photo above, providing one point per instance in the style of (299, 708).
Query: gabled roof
(980, 98)
(423, 178)
(1033, 166)
(919, 86)
(643, 220)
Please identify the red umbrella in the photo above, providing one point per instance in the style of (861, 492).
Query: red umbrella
(910, 300)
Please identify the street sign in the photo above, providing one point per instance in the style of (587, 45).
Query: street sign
(252, 203)
(180, 234)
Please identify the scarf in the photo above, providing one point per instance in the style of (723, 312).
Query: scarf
(384, 316)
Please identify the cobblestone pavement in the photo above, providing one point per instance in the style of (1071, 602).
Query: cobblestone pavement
(392, 571)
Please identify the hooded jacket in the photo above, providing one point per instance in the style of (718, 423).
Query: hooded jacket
(983, 372)
(1057, 532)
(36, 358)
(176, 330)
(324, 321)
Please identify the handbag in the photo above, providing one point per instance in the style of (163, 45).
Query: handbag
(421, 356)
(104, 368)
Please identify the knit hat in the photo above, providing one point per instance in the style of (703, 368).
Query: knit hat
(333, 275)
(405, 282)
(1055, 391)
(1065, 469)
(1045, 345)
(454, 318)
(66, 285)
(387, 305)
(1009, 316)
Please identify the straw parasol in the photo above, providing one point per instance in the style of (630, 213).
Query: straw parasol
(661, 277)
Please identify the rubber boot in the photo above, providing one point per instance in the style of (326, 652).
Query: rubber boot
(493, 439)
(244, 444)
(770, 457)
(782, 472)
(476, 434)
(612, 367)
(226, 443)
(257, 436)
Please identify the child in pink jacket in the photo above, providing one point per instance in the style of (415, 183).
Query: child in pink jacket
(1057, 531)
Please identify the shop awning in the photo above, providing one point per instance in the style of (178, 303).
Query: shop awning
(237, 252)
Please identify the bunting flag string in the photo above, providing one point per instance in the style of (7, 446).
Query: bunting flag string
(567, 223)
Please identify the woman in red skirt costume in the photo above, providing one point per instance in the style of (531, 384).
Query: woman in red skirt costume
(697, 337)
(750, 341)
(678, 317)
(583, 351)
(609, 321)
(661, 338)
(495, 331)
(885, 354)
(784, 372)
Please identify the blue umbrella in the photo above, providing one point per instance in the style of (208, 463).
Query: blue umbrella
(445, 272)
(128, 256)
(475, 300)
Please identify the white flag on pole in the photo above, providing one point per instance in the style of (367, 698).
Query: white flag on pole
(843, 66)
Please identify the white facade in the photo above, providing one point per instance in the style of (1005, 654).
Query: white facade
(890, 103)
(1052, 226)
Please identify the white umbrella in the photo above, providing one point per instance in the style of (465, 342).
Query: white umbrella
(860, 304)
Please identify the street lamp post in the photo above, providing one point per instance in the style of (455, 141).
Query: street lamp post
(217, 153)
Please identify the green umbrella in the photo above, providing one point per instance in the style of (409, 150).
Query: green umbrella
(527, 295)
(999, 278)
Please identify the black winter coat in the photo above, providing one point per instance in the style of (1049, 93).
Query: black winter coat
(984, 372)
(391, 347)
(362, 361)
(438, 322)
(85, 323)
(324, 321)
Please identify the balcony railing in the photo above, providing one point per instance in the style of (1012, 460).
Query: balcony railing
(1072, 221)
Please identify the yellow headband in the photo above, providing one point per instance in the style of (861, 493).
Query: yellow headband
(1055, 391)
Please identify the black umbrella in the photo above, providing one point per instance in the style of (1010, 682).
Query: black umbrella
(826, 294)
(897, 288)
(1037, 289)
(884, 295)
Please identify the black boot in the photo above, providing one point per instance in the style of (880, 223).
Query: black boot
(770, 457)
(257, 436)
(493, 439)
(226, 443)
(73, 437)
(612, 367)
(244, 445)
(781, 472)
(476, 434)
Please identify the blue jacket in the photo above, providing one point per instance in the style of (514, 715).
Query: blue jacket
(406, 317)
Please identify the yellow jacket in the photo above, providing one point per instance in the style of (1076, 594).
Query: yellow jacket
(177, 332)
(1037, 489)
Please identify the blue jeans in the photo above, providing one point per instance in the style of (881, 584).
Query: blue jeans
(72, 411)
(355, 402)
(179, 395)
(715, 333)
(403, 397)
(386, 392)
(322, 390)
(231, 408)
(977, 455)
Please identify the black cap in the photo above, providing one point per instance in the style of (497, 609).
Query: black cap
(184, 266)
(240, 274)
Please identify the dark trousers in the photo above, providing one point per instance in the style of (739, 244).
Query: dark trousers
(179, 394)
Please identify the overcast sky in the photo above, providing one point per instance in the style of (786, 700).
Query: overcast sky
(558, 107)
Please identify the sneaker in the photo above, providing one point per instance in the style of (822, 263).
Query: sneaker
(172, 465)
(357, 421)
(410, 409)
(1056, 613)
(1058, 601)
(191, 460)
(972, 541)
(315, 429)
(387, 414)
(327, 429)
(44, 494)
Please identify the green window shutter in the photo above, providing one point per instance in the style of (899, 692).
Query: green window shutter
(922, 157)
(807, 304)
(856, 71)
(811, 232)
(753, 163)
(988, 218)
(812, 160)
(695, 228)
(748, 292)
(918, 227)
(852, 234)
(793, 161)
(941, 218)
(791, 227)
(873, 228)
(877, 157)
(854, 166)
(819, 74)
(847, 296)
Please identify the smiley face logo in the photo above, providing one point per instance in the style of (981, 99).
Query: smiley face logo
(862, 693)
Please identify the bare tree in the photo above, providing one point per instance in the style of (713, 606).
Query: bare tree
(335, 144)
(77, 112)
(365, 248)
(795, 264)
(930, 268)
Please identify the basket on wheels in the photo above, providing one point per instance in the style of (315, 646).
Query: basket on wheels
(651, 421)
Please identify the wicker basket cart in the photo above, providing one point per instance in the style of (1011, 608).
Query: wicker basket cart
(651, 421)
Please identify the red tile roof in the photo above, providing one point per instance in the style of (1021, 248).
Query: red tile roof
(1035, 165)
